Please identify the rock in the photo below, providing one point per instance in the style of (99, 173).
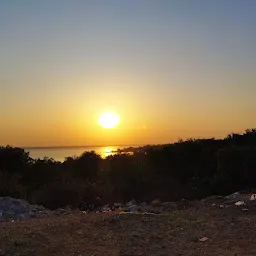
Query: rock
(106, 209)
(144, 204)
(232, 199)
(18, 243)
(62, 211)
(80, 232)
(183, 204)
(212, 199)
(132, 202)
(134, 208)
(25, 216)
(195, 239)
(253, 197)
(233, 196)
(17, 209)
(156, 203)
(169, 206)
(118, 205)
(68, 209)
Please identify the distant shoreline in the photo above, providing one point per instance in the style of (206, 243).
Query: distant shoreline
(70, 147)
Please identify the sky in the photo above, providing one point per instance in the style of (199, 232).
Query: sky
(171, 69)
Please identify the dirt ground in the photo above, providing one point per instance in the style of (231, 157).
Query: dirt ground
(231, 231)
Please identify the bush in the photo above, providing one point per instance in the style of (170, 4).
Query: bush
(236, 167)
(10, 185)
(186, 169)
(58, 195)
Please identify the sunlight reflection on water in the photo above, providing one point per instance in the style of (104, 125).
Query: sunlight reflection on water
(59, 154)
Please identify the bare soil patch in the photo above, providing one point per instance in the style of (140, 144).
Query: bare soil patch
(231, 232)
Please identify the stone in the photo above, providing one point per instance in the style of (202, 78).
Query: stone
(233, 196)
(106, 209)
(133, 208)
(156, 203)
(80, 232)
(144, 204)
(61, 211)
(17, 209)
(169, 206)
(253, 197)
(132, 202)
(24, 216)
(118, 205)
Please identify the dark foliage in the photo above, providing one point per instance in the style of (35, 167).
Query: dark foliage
(187, 169)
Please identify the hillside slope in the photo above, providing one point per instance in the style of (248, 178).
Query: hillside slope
(231, 231)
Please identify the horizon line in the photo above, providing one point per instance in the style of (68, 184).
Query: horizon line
(81, 146)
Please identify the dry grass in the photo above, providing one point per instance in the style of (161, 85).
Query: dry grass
(231, 232)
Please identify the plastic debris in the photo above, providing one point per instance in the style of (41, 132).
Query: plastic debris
(203, 239)
(240, 203)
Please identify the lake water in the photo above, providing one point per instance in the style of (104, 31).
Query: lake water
(59, 154)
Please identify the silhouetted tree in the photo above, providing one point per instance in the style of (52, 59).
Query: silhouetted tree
(190, 168)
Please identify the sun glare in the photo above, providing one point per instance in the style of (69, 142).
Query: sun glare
(108, 120)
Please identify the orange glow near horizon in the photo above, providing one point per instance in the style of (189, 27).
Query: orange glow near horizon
(182, 77)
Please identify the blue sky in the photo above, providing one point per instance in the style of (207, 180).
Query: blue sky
(180, 68)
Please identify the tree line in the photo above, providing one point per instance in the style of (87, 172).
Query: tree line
(190, 169)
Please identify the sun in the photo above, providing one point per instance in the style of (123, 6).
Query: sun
(108, 120)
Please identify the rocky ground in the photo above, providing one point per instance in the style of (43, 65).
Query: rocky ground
(12, 209)
(213, 226)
